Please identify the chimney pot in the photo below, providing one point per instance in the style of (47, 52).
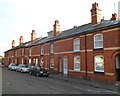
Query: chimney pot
(21, 40)
(33, 36)
(56, 28)
(114, 16)
(95, 14)
(13, 43)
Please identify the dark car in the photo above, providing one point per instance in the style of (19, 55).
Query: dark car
(38, 71)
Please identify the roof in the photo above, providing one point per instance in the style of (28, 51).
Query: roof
(87, 28)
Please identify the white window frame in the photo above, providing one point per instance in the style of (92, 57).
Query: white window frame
(16, 53)
(51, 62)
(42, 50)
(22, 51)
(76, 63)
(95, 63)
(30, 50)
(76, 43)
(51, 48)
(98, 41)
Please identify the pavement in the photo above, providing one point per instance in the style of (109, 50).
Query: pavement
(114, 87)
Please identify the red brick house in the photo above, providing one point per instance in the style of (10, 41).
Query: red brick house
(89, 51)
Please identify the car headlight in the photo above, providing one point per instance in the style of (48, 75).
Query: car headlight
(41, 71)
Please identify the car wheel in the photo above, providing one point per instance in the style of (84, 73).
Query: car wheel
(16, 70)
(21, 71)
(30, 73)
(37, 74)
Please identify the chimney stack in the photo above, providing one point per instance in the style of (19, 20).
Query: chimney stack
(21, 40)
(56, 28)
(114, 16)
(95, 14)
(33, 36)
(13, 43)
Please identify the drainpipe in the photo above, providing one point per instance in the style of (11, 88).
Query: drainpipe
(28, 56)
(86, 66)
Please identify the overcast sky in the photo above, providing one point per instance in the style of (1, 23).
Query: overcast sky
(20, 17)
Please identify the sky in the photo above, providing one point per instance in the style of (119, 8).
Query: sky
(20, 17)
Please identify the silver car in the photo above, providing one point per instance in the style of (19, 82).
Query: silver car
(22, 68)
(12, 66)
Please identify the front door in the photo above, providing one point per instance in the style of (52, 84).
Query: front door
(118, 67)
(60, 65)
(65, 66)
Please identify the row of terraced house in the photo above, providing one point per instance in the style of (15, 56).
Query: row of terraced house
(90, 51)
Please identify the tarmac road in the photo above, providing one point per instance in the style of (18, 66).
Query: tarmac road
(23, 83)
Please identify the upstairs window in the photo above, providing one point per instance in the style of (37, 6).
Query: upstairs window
(51, 48)
(30, 51)
(15, 53)
(22, 51)
(77, 44)
(98, 41)
(77, 63)
(99, 63)
(42, 50)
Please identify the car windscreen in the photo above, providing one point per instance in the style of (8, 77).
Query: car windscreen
(23, 66)
(14, 65)
(40, 68)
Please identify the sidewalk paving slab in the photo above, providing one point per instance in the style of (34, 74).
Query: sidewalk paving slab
(108, 86)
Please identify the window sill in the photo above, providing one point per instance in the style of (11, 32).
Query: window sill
(76, 71)
(96, 72)
(52, 68)
(51, 53)
(76, 51)
(97, 49)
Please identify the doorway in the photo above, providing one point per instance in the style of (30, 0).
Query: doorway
(65, 62)
(118, 67)
(60, 65)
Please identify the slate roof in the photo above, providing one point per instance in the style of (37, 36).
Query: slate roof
(87, 28)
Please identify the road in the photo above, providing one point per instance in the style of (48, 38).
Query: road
(23, 83)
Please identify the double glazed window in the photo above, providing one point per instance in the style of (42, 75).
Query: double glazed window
(77, 63)
(77, 44)
(99, 63)
(42, 50)
(51, 48)
(98, 41)
(22, 51)
(30, 51)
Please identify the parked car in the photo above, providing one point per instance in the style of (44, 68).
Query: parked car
(12, 66)
(38, 71)
(22, 68)
(1, 65)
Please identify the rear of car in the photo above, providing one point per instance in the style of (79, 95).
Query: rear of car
(22, 68)
(12, 66)
(39, 71)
